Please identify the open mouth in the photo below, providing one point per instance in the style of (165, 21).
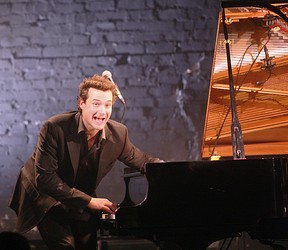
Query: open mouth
(98, 120)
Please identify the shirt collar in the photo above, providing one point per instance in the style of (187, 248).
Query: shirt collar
(81, 128)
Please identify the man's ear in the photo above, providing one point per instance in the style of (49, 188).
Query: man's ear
(81, 102)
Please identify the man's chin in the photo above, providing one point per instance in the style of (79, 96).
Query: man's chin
(99, 127)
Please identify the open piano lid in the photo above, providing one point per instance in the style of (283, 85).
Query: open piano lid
(258, 39)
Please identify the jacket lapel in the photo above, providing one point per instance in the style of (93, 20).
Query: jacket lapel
(73, 144)
(104, 158)
(106, 155)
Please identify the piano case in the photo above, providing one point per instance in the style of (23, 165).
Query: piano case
(125, 243)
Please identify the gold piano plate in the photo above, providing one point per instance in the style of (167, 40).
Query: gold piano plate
(258, 41)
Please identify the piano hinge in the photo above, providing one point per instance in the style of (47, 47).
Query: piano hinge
(228, 21)
(227, 41)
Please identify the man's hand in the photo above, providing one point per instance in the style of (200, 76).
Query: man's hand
(102, 204)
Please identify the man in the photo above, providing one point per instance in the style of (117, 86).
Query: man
(75, 150)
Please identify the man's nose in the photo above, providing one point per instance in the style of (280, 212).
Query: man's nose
(101, 109)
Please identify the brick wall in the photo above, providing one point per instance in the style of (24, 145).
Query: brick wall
(159, 52)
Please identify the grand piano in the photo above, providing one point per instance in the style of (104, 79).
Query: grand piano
(240, 185)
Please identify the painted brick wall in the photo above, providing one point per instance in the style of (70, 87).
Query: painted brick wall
(159, 52)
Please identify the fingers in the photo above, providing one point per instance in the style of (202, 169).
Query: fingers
(103, 204)
(110, 207)
(107, 206)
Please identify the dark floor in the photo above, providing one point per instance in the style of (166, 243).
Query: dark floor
(238, 243)
(38, 245)
(243, 243)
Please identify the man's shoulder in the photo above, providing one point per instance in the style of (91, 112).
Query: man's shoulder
(66, 116)
(115, 128)
(114, 124)
(67, 121)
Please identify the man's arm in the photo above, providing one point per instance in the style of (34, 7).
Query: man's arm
(46, 163)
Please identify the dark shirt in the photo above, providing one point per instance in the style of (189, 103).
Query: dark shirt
(89, 160)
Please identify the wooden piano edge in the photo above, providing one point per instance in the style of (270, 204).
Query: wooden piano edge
(251, 150)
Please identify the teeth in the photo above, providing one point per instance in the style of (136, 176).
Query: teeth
(100, 119)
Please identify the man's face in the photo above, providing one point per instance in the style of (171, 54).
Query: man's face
(97, 109)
